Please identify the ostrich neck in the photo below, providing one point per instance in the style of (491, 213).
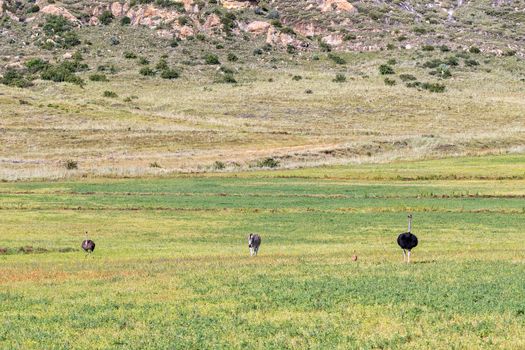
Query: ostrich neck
(409, 225)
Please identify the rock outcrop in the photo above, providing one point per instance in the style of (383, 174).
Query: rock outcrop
(59, 11)
(336, 5)
(257, 27)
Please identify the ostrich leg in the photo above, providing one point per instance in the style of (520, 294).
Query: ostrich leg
(404, 255)
(408, 257)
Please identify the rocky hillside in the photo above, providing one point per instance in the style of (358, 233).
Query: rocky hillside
(495, 26)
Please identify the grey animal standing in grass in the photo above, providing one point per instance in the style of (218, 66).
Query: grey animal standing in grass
(254, 242)
(407, 241)
(88, 245)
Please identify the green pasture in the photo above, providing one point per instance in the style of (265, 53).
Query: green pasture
(172, 270)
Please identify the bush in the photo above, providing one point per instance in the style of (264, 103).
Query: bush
(110, 94)
(169, 74)
(64, 72)
(290, 49)
(471, 63)
(427, 48)
(407, 77)
(227, 78)
(433, 63)
(71, 164)
(336, 59)
(268, 163)
(154, 165)
(385, 69)
(444, 48)
(33, 9)
(339, 78)
(452, 61)
(390, 82)
(324, 47)
(129, 55)
(433, 87)
(98, 77)
(56, 25)
(36, 65)
(218, 165)
(147, 72)
(124, 21)
(443, 71)
(297, 78)
(391, 62)
(143, 61)
(162, 64)
(232, 57)
(258, 51)
(174, 42)
(474, 49)
(106, 17)
(349, 37)
(211, 58)
(15, 78)
(288, 30)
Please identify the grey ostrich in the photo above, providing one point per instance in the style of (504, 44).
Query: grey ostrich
(88, 245)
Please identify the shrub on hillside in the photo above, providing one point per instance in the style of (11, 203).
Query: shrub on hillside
(433, 87)
(106, 17)
(385, 69)
(15, 78)
(211, 58)
(407, 77)
(64, 72)
(35, 65)
(226, 78)
(336, 59)
(268, 163)
(71, 164)
(339, 78)
(390, 82)
(169, 74)
(98, 77)
(110, 94)
(232, 57)
(474, 49)
(162, 64)
(471, 63)
(147, 72)
(124, 21)
(130, 55)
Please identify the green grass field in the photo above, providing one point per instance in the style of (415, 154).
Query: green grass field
(172, 269)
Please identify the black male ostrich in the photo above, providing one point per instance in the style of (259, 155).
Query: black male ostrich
(254, 241)
(407, 240)
(88, 245)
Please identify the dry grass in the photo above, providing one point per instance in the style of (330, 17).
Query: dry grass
(187, 125)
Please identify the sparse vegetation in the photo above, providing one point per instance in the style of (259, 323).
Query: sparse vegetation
(110, 94)
(385, 69)
(98, 77)
(211, 59)
(339, 78)
(147, 72)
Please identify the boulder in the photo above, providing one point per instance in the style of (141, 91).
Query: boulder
(237, 4)
(59, 11)
(306, 29)
(333, 39)
(336, 5)
(257, 27)
(212, 21)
